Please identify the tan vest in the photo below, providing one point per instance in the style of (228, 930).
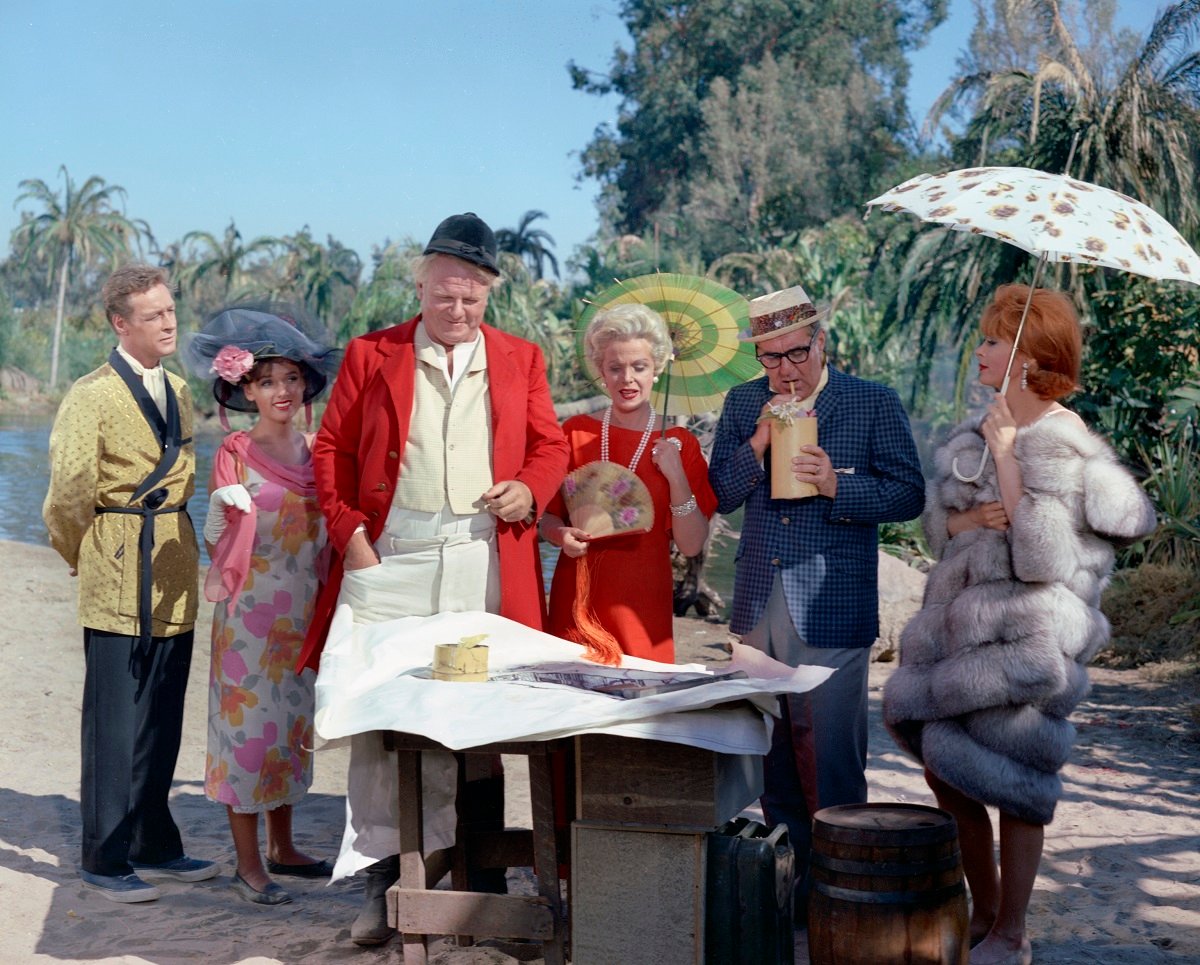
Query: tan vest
(448, 455)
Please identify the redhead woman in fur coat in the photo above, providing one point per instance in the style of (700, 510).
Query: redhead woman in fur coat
(995, 661)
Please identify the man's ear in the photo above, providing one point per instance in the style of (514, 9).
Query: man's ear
(119, 325)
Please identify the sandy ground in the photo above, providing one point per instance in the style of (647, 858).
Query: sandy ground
(1120, 881)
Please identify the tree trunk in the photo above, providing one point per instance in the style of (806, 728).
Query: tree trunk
(58, 321)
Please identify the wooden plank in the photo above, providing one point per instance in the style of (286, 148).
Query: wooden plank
(510, 848)
(622, 779)
(470, 912)
(412, 848)
(545, 852)
(397, 740)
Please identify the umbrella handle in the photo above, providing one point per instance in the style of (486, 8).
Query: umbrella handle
(666, 398)
(978, 472)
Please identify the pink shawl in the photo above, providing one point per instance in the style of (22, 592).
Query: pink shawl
(231, 555)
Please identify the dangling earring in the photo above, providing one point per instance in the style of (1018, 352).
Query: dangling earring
(656, 380)
(1024, 376)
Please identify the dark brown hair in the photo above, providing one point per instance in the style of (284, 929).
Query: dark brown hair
(262, 366)
(1052, 337)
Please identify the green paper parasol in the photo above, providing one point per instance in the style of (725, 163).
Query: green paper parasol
(704, 320)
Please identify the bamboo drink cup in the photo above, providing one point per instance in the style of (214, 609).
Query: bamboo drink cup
(788, 433)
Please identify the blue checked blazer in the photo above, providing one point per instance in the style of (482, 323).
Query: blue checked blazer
(825, 550)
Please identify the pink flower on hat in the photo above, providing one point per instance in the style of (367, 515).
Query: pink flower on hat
(232, 363)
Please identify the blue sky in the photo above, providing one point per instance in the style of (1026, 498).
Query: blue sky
(367, 119)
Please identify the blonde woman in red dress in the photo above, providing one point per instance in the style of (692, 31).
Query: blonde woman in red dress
(630, 582)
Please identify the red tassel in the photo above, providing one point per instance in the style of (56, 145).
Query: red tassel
(601, 646)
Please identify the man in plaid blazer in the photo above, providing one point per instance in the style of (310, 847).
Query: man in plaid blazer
(805, 590)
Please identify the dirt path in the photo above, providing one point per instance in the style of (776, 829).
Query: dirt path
(1120, 881)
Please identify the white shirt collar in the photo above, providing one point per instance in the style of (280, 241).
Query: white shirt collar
(434, 354)
(153, 379)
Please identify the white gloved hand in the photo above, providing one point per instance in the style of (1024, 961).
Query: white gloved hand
(226, 497)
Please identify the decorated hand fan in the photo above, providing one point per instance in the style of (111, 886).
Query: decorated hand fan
(606, 499)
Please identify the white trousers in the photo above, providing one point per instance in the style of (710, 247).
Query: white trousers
(429, 563)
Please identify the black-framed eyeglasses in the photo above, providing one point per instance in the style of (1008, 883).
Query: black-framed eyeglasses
(797, 356)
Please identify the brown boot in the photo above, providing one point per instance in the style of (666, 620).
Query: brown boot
(371, 926)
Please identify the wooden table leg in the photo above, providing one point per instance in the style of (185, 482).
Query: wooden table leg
(545, 856)
(412, 850)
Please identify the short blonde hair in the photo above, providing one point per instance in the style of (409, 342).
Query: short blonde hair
(422, 263)
(622, 323)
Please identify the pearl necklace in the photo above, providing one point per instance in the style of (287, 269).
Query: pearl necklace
(637, 453)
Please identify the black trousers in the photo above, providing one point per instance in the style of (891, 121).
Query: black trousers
(131, 727)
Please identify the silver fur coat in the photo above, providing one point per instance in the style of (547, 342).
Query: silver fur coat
(996, 659)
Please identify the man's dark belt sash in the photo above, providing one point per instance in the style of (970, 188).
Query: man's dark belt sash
(150, 495)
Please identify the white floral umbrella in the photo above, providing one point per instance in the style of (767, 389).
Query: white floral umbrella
(1052, 216)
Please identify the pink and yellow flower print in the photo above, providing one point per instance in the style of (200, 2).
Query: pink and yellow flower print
(260, 709)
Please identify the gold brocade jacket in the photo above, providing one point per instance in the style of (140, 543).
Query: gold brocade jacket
(101, 448)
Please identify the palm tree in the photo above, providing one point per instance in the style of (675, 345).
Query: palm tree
(1138, 123)
(74, 227)
(226, 258)
(529, 243)
(316, 271)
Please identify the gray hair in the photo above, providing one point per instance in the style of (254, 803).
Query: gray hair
(622, 323)
(422, 263)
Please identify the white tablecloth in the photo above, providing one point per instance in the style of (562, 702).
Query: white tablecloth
(374, 677)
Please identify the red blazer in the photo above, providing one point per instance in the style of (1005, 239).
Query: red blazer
(357, 455)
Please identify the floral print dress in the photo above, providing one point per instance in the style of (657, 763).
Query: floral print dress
(260, 711)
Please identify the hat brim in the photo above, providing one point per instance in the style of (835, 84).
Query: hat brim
(464, 252)
(230, 396)
(809, 322)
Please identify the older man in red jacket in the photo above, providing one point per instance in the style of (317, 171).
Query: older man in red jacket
(437, 453)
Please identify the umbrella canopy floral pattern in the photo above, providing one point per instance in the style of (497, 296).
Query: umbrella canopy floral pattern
(703, 319)
(1050, 215)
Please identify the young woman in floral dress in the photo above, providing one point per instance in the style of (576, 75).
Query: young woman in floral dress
(264, 532)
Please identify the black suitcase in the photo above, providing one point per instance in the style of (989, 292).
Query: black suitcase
(748, 907)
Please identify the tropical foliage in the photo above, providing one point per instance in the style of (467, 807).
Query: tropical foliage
(228, 260)
(529, 243)
(1132, 111)
(699, 75)
(74, 229)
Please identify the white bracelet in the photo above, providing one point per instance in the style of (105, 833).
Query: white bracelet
(685, 507)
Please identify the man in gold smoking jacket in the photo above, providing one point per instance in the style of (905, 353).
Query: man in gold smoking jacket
(122, 467)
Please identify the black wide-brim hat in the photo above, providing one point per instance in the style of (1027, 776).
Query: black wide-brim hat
(468, 237)
(265, 335)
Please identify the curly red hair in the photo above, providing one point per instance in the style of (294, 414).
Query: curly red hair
(1052, 337)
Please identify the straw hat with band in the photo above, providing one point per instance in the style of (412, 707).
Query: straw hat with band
(781, 312)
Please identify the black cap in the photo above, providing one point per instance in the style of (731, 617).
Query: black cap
(468, 237)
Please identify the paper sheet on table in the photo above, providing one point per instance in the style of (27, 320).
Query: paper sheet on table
(370, 680)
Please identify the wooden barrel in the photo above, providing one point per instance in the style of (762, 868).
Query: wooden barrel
(886, 887)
